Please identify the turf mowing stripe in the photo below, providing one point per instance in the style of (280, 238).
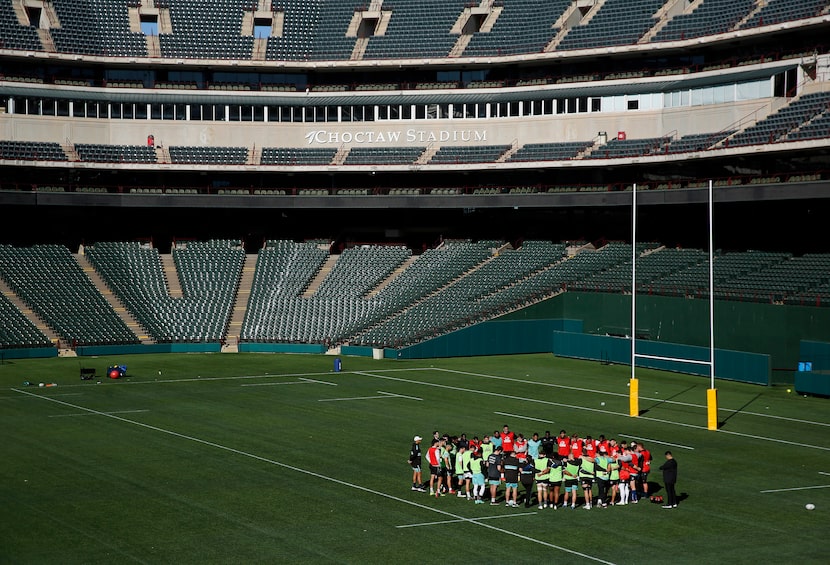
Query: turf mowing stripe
(658, 441)
(794, 488)
(318, 475)
(574, 407)
(626, 395)
(440, 522)
(89, 414)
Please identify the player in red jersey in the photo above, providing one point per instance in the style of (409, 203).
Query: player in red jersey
(508, 439)
(576, 446)
(590, 447)
(563, 445)
(520, 447)
(434, 460)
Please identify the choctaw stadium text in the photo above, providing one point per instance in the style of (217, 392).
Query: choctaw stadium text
(409, 136)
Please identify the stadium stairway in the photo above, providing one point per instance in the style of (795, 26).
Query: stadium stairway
(571, 18)
(70, 152)
(46, 40)
(12, 296)
(116, 304)
(509, 153)
(320, 276)
(240, 305)
(174, 285)
(759, 5)
(162, 155)
(665, 14)
(427, 155)
(385, 282)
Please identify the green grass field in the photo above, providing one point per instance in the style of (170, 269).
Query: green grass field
(259, 458)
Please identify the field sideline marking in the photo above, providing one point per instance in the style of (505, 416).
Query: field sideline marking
(456, 521)
(237, 377)
(595, 391)
(383, 394)
(317, 475)
(62, 394)
(575, 407)
(794, 488)
(823, 473)
(302, 382)
(580, 389)
(90, 414)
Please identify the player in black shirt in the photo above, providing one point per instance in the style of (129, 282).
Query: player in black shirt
(415, 463)
(548, 444)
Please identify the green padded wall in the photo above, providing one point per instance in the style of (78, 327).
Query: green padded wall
(730, 365)
(817, 380)
(496, 337)
(768, 329)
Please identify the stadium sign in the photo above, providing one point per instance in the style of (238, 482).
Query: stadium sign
(412, 135)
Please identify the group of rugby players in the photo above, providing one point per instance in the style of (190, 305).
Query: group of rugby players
(552, 468)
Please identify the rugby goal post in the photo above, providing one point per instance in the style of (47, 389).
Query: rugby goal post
(633, 384)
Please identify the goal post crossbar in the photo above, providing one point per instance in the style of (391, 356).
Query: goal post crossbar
(677, 359)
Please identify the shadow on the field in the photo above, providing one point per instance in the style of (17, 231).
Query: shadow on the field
(722, 423)
(664, 400)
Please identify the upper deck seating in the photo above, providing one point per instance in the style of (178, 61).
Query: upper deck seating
(618, 22)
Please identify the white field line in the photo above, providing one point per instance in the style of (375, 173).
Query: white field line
(626, 395)
(39, 394)
(91, 414)
(525, 417)
(302, 381)
(318, 382)
(279, 383)
(585, 408)
(455, 521)
(120, 382)
(381, 393)
(823, 473)
(401, 395)
(330, 374)
(657, 441)
(794, 488)
(321, 477)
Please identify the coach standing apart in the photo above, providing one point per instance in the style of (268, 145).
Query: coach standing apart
(415, 463)
(669, 469)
